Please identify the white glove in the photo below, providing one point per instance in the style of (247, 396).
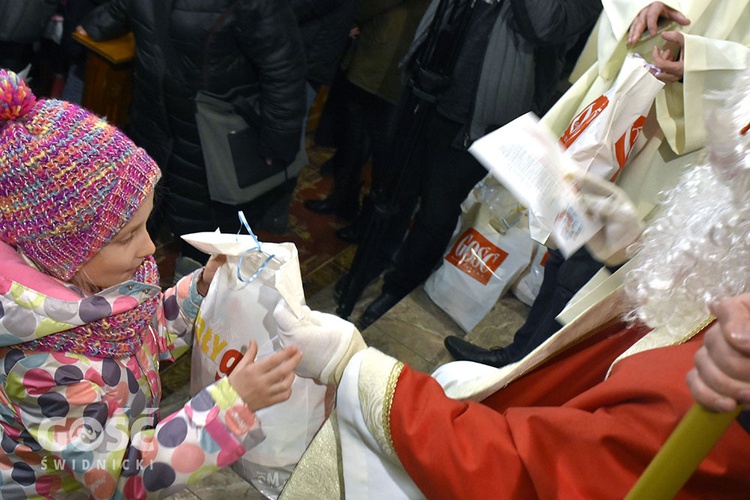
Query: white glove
(327, 342)
(610, 205)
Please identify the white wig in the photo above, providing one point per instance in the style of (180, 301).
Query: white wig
(697, 250)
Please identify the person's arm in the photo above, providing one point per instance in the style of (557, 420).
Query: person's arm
(502, 448)
(721, 377)
(606, 203)
(708, 65)
(329, 342)
(692, 66)
(107, 21)
(82, 420)
(180, 309)
(269, 37)
(553, 22)
(544, 437)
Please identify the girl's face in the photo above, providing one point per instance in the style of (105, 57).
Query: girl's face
(117, 260)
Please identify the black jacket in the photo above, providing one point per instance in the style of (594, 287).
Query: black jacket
(524, 58)
(324, 25)
(215, 45)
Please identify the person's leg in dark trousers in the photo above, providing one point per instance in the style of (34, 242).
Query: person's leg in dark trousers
(377, 115)
(352, 151)
(330, 122)
(393, 195)
(567, 276)
(562, 279)
(445, 176)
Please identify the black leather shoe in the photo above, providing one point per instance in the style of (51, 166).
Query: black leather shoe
(379, 307)
(466, 351)
(343, 283)
(328, 206)
(351, 233)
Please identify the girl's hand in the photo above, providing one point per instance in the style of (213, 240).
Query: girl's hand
(208, 273)
(266, 382)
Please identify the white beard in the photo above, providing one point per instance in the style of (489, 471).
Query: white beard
(697, 250)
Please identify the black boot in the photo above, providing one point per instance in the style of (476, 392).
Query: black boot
(343, 283)
(466, 351)
(379, 307)
(351, 233)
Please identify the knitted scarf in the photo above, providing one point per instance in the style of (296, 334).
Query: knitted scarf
(116, 336)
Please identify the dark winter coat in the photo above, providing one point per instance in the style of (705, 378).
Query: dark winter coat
(324, 25)
(217, 45)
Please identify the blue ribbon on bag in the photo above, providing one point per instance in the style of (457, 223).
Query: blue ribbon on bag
(244, 222)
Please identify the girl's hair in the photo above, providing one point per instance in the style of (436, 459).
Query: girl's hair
(84, 283)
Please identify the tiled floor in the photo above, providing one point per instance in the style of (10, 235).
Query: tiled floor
(413, 331)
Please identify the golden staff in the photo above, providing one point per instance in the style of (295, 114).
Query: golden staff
(682, 453)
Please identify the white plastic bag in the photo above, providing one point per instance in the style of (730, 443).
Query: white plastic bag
(238, 307)
(527, 288)
(602, 137)
(479, 268)
(503, 207)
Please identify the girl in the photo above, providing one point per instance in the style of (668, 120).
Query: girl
(83, 323)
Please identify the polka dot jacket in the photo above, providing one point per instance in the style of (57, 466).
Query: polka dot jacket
(73, 426)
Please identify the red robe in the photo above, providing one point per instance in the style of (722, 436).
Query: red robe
(562, 431)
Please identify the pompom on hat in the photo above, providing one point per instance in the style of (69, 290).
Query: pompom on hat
(69, 181)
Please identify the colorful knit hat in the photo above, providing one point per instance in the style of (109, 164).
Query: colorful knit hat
(69, 181)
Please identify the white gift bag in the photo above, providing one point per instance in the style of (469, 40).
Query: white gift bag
(479, 268)
(238, 308)
(602, 137)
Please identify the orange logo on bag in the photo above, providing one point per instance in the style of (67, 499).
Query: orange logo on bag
(545, 258)
(624, 144)
(582, 120)
(476, 256)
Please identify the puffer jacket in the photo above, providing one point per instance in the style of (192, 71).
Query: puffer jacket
(74, 426)
(216, 45)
